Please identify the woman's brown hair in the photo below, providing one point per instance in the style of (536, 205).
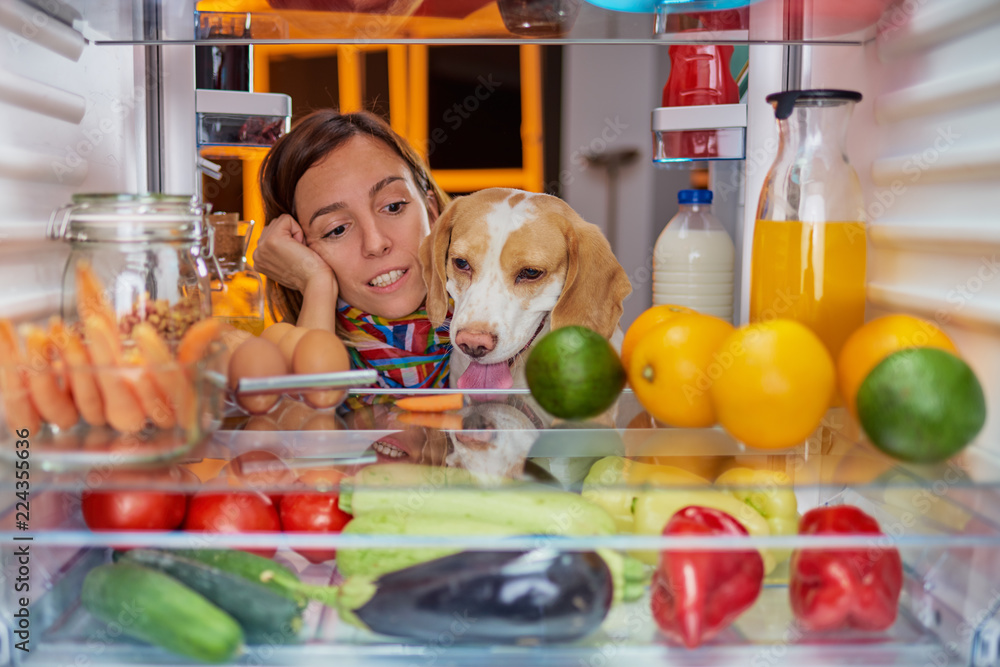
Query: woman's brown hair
(311, 140)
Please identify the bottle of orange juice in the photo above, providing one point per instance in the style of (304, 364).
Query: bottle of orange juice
(809, 242)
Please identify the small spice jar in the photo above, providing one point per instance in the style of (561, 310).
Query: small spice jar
(144, 251)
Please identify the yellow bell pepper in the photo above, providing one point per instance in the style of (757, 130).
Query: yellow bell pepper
(770, 494)
(614, 482)
(653, 509)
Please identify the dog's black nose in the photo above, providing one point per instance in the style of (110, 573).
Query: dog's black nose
(474, 352)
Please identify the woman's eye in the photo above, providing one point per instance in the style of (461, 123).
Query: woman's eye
(335, 232)
(396, 207)
(460, 264)
(529, 274)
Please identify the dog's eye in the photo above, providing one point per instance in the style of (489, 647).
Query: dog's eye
(529, 274)
(460, 264)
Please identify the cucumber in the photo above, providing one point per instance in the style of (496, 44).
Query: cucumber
(529, 508)
(265, 616)
(252, 567)
(158, 609)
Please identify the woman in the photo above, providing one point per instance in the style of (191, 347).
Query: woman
(347, 202)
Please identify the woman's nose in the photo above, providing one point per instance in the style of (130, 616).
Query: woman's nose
(374, 242)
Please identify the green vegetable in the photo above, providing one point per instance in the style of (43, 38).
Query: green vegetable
(266, 616)
(375, 561)
(252, 567)
(158, 609)
(530, 508)
(413, 477)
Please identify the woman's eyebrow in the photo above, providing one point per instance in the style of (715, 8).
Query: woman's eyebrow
(329, 208)
(336, 206)
(382, 184)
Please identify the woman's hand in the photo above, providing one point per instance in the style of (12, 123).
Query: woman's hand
(282, 256)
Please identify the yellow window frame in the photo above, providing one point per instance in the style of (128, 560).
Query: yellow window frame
(408, 84)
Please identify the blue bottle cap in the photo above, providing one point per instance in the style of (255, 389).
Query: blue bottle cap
(694, 197)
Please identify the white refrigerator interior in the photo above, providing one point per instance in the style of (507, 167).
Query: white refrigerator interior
(99, 97)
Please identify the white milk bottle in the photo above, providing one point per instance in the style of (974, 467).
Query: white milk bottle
(693, 259)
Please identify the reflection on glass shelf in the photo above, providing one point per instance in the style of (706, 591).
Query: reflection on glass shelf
(506, 435)
(233, 22)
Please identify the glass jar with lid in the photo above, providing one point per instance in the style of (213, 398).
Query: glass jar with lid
(145, 251)
(237, 290)
(130, 370)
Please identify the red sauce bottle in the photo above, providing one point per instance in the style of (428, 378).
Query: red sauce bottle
(699, 74)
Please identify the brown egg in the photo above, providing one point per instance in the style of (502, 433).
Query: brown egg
(276, 331)
(261, 423)
(294, 415)
(324, 421)
(256, 358)
(321, 351)
(290, 341)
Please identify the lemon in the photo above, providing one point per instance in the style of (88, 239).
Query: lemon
(773, 383)
(921, 405)
(574, 373)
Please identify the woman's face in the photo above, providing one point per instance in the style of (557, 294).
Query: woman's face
(362, 213)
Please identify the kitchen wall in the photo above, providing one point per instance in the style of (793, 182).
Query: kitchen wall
(609, 92)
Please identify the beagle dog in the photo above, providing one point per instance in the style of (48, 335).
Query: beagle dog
(517, 265)
(496, 436)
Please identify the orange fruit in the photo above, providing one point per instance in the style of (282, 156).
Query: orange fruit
(672, 367)
(648, 319)
(776, 382)
(874, 341)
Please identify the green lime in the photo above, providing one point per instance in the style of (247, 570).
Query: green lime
(574, 373)
(921, 405)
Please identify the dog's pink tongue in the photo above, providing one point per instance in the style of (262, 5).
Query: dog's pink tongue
(486, 376)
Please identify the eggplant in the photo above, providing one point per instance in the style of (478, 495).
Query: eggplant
(494, 597)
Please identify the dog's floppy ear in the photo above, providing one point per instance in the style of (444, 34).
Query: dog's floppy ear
(596, 284)
(434, 262)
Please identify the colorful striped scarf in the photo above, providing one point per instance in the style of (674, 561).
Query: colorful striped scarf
(407, 352)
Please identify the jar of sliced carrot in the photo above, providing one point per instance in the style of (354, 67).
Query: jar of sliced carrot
(135, 258)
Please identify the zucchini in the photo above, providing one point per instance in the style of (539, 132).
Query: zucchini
(265, 616)
(412, 476)
(158, 609)
(375, 561)
(528, 508)
(252, 567)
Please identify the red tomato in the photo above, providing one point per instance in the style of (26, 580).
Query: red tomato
(134, 509)
(313, 513)
(215, 512)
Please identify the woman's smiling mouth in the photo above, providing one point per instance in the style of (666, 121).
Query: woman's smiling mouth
(390, 451)
(387, 279)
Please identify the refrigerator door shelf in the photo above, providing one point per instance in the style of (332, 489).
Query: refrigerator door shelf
(698, 133)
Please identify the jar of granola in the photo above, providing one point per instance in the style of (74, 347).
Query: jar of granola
(140, 255)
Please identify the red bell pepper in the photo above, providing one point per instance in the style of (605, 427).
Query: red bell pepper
(836, 588)
(697, 594)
